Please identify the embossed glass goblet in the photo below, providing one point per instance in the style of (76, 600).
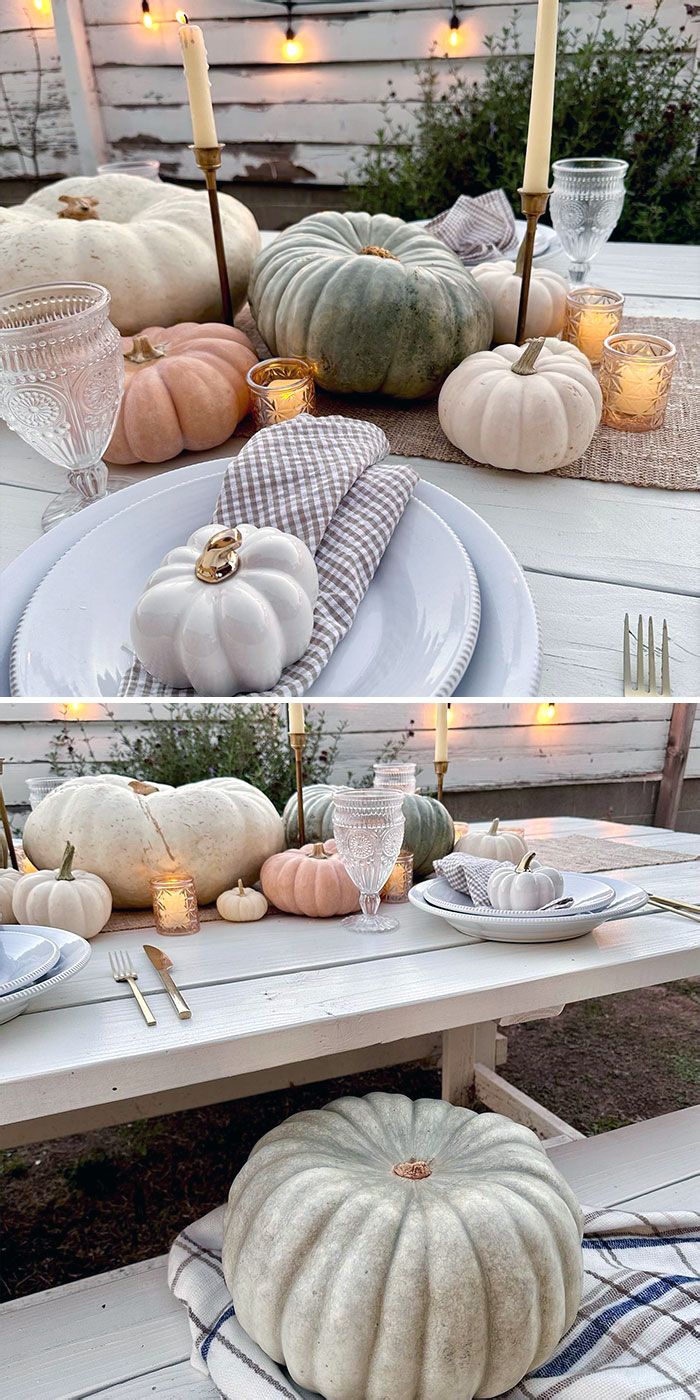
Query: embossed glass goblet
(588, 193)
(401, 776)
(61, 382)
(368, 829)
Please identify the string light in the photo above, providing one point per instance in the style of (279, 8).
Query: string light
(546, 712)
(454, 29)
(147, 16)
(292, 47)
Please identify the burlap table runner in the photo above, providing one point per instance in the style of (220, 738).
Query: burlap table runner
(588, 854)
(669, 457)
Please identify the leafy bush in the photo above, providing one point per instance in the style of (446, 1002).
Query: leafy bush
(633, 95)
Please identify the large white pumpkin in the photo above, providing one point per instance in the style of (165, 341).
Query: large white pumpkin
(389, 1250)
(128, 831)
(502, 283)
(150, 244)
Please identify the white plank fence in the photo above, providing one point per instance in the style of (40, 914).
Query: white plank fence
(305, 121)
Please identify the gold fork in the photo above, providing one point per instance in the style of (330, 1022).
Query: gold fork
(123, 970)
(640, 690)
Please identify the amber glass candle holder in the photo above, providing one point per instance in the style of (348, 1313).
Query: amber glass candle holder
(175, 905)
(635, 379)
(281, 389)
(592, 314)
(399, 883)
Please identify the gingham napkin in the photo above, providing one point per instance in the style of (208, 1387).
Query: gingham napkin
(478, 228)
(324, 480)
(637, 1332)
(470, 874)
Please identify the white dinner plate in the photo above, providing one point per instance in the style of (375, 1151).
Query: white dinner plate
(507, 658)
(73, 639)
(628, 900)
(587, 893)
(24, 957)
(73, 953)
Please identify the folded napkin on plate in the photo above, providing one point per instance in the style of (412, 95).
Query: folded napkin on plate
(478, 229)
(470, 874)
(322, 479)
(635, 1334)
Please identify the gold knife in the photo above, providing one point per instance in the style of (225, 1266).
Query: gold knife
(161, 963)
(691, 911)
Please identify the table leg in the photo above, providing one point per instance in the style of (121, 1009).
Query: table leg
(462, 1048)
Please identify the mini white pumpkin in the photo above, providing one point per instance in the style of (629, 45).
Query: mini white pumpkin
(495, 844)
(410, 1251)
(502, 282)
(526, 887)
(8, 881)
(528, 409)
(63, 898)
(226, 612)
(242, 905)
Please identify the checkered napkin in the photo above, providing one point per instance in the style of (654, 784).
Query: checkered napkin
(322, 479)
(478, 229)
(470, 874)
(637, 1333)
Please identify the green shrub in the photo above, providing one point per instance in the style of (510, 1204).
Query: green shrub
(633, 96)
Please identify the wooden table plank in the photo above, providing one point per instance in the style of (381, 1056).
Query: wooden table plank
(611, 1169)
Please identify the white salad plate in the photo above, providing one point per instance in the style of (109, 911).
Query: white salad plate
(587, 893)
(24, 957)
(628, 899)
(73, 953)
(74, 636)
(506, 660)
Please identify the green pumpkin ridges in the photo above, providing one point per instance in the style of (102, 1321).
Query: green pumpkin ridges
(428, 832)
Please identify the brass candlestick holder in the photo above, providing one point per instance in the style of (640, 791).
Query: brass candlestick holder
(532, 205)
(297, 742)
(208, 159)
(6, 825)
(440, 766)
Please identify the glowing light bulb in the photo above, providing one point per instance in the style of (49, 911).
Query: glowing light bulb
(546, 712)
(38, 4)
(454, 29)
(147, 16)
(292, 47)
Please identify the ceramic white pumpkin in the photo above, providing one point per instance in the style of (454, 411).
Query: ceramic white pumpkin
(150, 244)
(498, 843)
(527, 887)
(128, 831)
(226, 612)
(502, 282)
(526, 409)
(384, 1248)
(8, 880)
(242, 905)
(65, 898)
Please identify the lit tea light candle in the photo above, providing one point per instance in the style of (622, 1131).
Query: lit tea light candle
(461, 829)
(592, 314)
(399, 883)
(175, 905)
(635, 379)
(281, 389)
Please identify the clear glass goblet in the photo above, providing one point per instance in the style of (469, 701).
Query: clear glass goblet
(61, 382)
(368, 829)
(401, 776)
(588, 193)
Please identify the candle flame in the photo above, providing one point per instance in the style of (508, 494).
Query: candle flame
(181, 17)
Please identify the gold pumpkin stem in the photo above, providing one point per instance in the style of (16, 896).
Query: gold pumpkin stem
(219, 560)
(525, 863)
(374, 252)
(413, 1170)
(526, 363)
(142, 351)
(78, 207)
(66, 871)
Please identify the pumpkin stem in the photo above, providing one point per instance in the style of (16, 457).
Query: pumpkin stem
(526, 363)
(142, 789)
(66, 871)
(218, 560)
(374, 252)
(525, 863)
(241, 888)
(520, 260)
(142, 351)
(79, 207)
(494, 826)
(319, 852)
(413, 1170)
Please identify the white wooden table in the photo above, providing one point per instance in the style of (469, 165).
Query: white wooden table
(591, 551)
(293, 1000)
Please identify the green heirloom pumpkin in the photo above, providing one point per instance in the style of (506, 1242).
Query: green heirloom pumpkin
(377, 305)
(388, 1250)
(428, 827)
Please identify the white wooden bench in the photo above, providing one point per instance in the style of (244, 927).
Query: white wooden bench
(122, 1335)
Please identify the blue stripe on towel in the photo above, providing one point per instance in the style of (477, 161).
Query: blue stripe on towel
(614, 1242)
(226, 1314)
(597, 1328)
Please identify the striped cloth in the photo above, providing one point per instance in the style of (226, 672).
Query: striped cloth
(636, 1336)
(322, 479)
(478, 229)
(470, 874)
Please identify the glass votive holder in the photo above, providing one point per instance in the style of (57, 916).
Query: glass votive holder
(635, 380)
(175, 905)
(39, 788)
(591, 315)
(400, 776)
(281, 389)
(396, 889)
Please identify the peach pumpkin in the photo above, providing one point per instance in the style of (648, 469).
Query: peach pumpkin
(311, 881)
(184, 390)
